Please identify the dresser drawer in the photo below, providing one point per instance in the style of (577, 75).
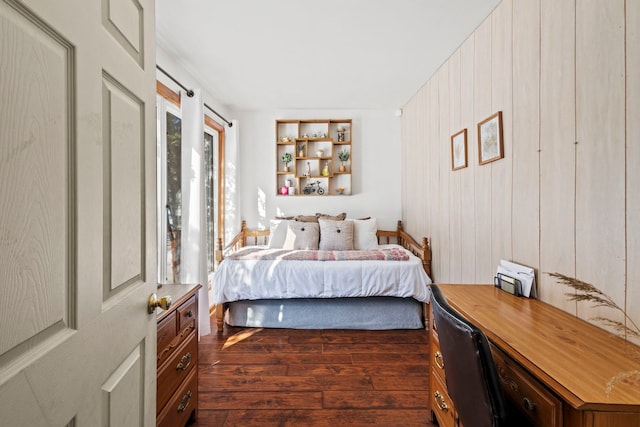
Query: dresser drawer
(441, 403)
(179, 366)
(531, 397)
(182, 404)
(187, 315)
(167, 331)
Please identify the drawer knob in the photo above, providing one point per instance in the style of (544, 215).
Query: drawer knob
(189, 313)
(185, 362)
(164, 303)
(504, 378)
(440, 403)
(528, 404)
(186, 399)
(439, 361)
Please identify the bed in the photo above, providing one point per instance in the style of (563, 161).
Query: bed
(374, 285)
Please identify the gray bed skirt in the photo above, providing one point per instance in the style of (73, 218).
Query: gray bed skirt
(373, 313)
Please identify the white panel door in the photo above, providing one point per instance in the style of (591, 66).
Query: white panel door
(77, 213)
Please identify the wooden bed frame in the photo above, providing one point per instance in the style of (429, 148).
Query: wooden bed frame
(247, 237)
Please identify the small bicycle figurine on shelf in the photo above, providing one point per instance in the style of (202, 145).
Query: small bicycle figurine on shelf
(311, 188)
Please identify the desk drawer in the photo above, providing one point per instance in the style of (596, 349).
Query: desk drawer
(531, 397)
(441, 403)
(435, 358)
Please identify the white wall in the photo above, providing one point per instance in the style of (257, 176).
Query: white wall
(376, 168)
(173, 66)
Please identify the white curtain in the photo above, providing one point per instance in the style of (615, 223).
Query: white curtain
(232, 183)
(193, 265)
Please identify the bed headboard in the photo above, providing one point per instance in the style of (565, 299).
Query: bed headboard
(247, 237)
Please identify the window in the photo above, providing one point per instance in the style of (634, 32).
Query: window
(211, 177)
(169, 147)
(214, 137)
(173, 205)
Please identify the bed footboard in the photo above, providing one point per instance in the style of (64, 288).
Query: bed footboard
(220, 317)
(240, 240)
(402, 238)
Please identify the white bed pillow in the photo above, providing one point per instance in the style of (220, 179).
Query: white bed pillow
(277, 233)
(302, 235)
(336, 235)
(364, 234)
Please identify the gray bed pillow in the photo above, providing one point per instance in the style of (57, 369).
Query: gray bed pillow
(306, 218)
(302, 235)
(339, 217)
(336, 235)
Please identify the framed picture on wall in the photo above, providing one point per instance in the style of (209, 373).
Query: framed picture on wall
(490, 145)
(459, 150)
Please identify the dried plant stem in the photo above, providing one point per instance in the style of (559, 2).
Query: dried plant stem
(587, 292)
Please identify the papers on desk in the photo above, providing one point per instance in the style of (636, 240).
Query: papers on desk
(516, 279)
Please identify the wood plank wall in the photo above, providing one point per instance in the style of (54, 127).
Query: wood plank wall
(566, 196)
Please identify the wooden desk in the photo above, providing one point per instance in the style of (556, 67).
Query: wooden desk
(569, 357)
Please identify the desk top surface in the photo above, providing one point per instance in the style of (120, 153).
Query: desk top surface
(575, 359)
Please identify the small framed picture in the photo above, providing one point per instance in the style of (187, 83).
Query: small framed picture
(490, 145)
(459, 150)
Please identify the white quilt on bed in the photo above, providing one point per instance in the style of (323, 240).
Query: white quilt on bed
(254, 279)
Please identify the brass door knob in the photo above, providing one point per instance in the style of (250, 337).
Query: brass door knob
(164, 303)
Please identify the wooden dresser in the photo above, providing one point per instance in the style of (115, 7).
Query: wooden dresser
(177, 392)
(553, 366)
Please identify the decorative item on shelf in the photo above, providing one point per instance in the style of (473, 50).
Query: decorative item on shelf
(305, 135)
(285, 139)
(292, 191)
(286, 159)
(284, 190)
(325, 169)
(319, 153)
(341, 131)
(340, 190)
(343, 156)
(313, 187)
(314, 135)
(287, 182)
(308, 172)
(301, 150)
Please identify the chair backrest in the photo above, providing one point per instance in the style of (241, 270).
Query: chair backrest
(471, 376)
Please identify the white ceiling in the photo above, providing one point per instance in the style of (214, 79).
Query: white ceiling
(333, 54)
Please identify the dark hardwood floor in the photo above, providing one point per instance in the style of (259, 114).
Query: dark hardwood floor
(287, 377)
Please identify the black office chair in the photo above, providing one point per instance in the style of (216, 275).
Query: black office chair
(471, 376)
